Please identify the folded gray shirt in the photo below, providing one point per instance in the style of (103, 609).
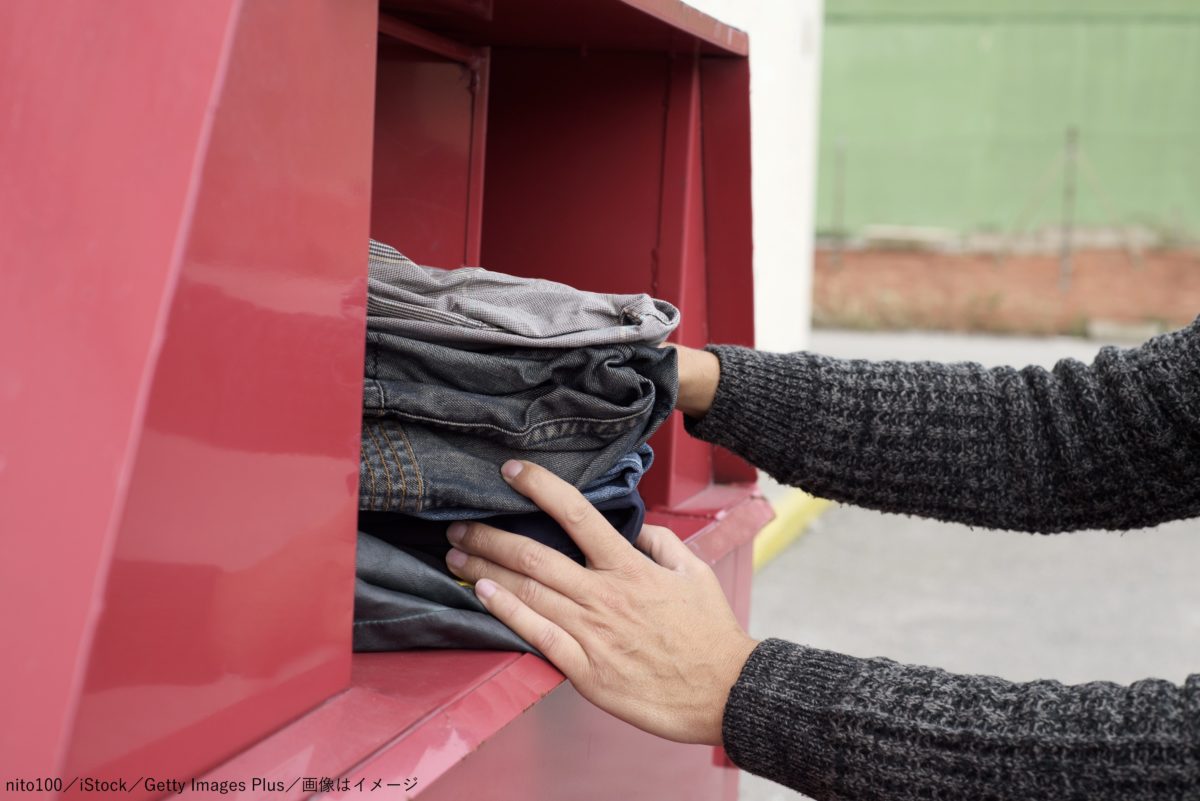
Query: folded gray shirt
(481, 308)
(1113, 445)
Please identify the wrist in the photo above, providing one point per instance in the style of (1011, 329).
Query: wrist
(728, 674)
(699, 375)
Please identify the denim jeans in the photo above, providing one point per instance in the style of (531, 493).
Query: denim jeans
(487, 309)
(626, 514)
(620, 481)
(405, 599)
(439, 421)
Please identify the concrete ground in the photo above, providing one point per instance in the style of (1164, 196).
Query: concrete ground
(1073, 607)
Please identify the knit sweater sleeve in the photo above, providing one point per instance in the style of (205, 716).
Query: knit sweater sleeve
(1109, 445)
(839, 727)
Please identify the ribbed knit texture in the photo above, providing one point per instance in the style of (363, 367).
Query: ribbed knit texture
(1113, 445)
(838, 727)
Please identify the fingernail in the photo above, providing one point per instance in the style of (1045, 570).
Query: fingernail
(485, 588)
(456, 531)
(455, 558)
(511, 469)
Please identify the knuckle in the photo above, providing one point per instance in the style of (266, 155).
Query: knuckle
(472, 568)
(606, 634)
(530, 559)
(478, 537)
(603, 676)
(546, 640)
(630, 566)
(470, 538)
(529, 591)
(576, 511)
(609, 601)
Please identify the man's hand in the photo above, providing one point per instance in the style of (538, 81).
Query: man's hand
(699, 374)
(652, 641)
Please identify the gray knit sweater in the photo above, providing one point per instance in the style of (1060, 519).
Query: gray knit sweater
(1113, 445)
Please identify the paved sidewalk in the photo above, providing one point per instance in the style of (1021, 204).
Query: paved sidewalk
(1073, 607)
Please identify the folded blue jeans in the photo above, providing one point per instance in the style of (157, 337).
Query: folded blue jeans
(620, 481)
(438, 421)
(625, 514)
(404, 598)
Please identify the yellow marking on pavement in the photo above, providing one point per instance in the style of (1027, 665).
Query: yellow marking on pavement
(793, 514)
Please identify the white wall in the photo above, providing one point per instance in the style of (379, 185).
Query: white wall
(785, 63)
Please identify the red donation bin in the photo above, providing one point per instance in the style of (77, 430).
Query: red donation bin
(189, 189)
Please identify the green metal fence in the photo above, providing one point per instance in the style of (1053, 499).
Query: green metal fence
(960, 114)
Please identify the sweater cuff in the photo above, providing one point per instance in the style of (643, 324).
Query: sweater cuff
(778, 722)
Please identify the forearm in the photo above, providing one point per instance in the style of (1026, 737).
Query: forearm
(839, 727)
(1109, 445)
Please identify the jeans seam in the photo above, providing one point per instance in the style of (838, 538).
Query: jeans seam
(387, 474)
(420, 503)
(366, 460)
(383, 399)
(399, 465)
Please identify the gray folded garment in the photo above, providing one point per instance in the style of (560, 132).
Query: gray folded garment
(404, 599)
(477, 307)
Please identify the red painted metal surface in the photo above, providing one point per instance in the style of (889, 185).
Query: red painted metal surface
(575, 149)
(567, 748)
(425, 40)
(713, 36)
(96, 180)
(430, 126)
(725, 108)
(645, 25)
(425, 705)
(230, 583)
(680, 268)
(431, 10)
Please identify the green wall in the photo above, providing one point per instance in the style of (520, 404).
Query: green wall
(953, 113)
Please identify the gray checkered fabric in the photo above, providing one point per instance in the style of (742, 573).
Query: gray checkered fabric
(486, 309)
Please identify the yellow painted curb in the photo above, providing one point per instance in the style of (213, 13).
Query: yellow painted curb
(793, 513)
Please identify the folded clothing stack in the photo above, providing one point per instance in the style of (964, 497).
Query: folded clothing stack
(465, 369)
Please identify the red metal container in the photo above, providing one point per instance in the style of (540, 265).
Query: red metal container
(188, 191)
